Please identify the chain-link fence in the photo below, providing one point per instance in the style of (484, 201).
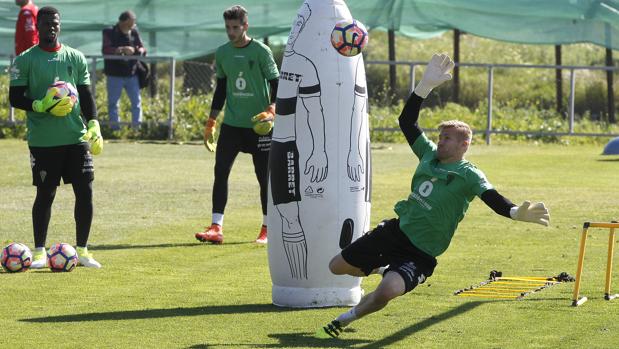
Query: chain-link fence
(174, 92)
(177, 101)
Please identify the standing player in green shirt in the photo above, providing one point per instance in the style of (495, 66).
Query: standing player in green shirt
(245, 73)
(57, 137)
(404, 249)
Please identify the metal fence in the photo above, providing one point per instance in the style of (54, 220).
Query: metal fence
(199, 77)
(490, 68)
(166, 78)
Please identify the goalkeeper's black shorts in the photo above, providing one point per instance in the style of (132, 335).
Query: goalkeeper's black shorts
(73, 163)
(386, 245)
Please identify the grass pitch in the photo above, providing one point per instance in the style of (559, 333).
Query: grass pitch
(160, 288)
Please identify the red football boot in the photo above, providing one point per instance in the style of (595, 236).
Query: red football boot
(262, 237)
(213, 234)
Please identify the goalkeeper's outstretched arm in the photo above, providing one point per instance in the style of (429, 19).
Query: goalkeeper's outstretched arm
(536, 213)
(408, 118)
(437, 72)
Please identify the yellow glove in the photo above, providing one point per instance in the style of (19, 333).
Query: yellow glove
(57, 107)
(209, 135)
(93, 136)
(263, 122)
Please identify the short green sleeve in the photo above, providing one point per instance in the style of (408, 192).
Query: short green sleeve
(19, 71)
(269, 68)
(477, 181)
(219, 69)
(83, 77)
(422, 146)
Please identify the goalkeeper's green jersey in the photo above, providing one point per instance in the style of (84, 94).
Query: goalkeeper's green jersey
(37, 69)
(440, 195)
(247, 71)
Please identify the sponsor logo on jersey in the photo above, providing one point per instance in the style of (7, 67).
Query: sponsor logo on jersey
(420, 200)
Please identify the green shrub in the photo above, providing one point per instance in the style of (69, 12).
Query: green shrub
(523, 99)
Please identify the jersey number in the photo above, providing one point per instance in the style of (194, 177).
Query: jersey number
(425, 189)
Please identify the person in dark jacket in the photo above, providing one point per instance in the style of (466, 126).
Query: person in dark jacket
(123, 39)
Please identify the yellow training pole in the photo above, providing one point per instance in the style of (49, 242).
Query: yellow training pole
(609, 264)
(581, 259)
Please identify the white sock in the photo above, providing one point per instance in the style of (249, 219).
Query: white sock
(380, 270)
(264, 220)
(218, 218)
(346, 318)
(39, 249)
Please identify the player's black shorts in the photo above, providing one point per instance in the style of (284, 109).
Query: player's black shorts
(387, 245)
(245, 140)
(284, 172)
(71, 162)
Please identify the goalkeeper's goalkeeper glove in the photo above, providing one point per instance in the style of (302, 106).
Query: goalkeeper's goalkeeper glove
(263, 122)
(436, 73)
(209, 135)
(93, 136)
(57, 107)
(536, 213)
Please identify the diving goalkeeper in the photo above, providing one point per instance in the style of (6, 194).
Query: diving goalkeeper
(404, 249)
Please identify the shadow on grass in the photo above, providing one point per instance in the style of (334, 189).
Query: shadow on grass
(614, 158)
(291, 340)
(400, 335)
(132, 246)
(308, 340)
(161, 313)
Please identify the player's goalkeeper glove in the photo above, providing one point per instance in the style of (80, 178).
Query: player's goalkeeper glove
(536, 213)
(57, 107)
(93, 136)
(263, 122)
(436, 73)
(209, 135)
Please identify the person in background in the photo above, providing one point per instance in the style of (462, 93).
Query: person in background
(246, 71)
(123, 39)
(26, 34)
(57, 137)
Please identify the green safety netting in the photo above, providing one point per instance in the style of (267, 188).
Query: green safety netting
(191, 28)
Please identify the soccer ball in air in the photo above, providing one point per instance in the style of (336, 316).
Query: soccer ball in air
(349, 37)
(62, 257)
(65, 89)
(16, 257)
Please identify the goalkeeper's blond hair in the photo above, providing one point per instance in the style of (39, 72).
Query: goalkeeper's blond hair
(464, 130)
